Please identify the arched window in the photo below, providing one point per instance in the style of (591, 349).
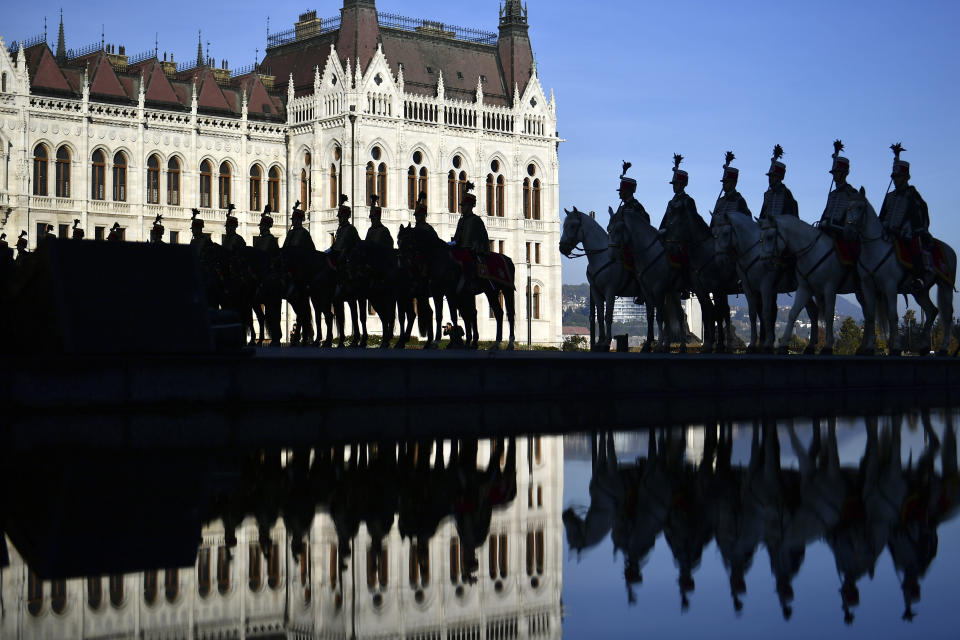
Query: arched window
(452, 191)
(150, 586)
(304, 189)
(500, 186)
(171, 584)
(419, 566)
(461, 189)
(334, 187)
(498, 556)
(63, 172)
(305, 174)
(254, 576)
(411, 187)
(255, 178)
(526, 198)
(153, 180)
(454, 560)
(94, 592)
(119, 177)
(536, 302)
(203, 572)
(370, 182)
(58, 595)
(303, 560)
(382, 183)
(206, 178)
(223, 570)
(3, 82)
(334, 566)
(377, 567)
(273, 566)
(97, 188)
(224, 185)
(490, 197)
(173, 182)
(40, 157)
(536, 199)
(422, 187)
(273, 189)
(116, 590)
(34, 593)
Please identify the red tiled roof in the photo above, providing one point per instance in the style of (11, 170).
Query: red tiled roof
(44, 72)
(158, 87)
(104, 82)
(300, 60)
(209, 95)
(258, 98)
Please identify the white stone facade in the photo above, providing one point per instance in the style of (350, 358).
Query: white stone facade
(521, 141)
(309, 602)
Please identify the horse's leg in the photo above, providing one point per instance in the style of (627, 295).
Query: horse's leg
(341, 329)
(261, 321)
(829, 306)
(387, 321)
(354, 306)
(651, 314)
(755, 312)
(813, 313)
(869, 305)
(930, 315)
(803, 295)
(511, 310)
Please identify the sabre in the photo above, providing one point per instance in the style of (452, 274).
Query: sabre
(837, 148)
(897, 149)
(728, 159)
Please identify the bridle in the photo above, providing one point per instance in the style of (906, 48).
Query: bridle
(586, 252)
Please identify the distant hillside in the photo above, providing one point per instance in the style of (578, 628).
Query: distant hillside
(844, 306)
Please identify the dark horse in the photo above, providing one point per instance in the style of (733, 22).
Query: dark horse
(374, 273)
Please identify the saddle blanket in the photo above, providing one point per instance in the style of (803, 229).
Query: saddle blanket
(847, 252)
(909, 255)
(678, 259)
(489, 267)
(626, 259)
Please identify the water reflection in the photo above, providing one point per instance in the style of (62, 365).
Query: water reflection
(689, 488)
(446, 539)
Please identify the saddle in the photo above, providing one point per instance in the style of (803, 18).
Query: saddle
(909, 254)
(848, 251)
(492, 266)
(626, 258)
(678, 257)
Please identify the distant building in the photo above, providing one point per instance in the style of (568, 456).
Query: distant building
(625, 311)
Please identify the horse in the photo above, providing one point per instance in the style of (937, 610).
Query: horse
(738, 239)
(820, 273)
(606, 274)
(374, 272)
(435, 276)
(494, 290)
(882, 277)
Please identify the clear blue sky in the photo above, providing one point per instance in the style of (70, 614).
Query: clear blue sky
(641, 81)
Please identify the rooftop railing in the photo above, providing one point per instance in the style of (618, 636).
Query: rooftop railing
(140, 57)
(73, 54)
(27, 43)
(303, 31)
(404, 23)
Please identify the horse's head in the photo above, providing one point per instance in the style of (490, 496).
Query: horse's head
(771, 241)
(406, 242)
(572, 231)
(855, 217)
(723, 239)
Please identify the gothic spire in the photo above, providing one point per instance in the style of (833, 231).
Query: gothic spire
(199, 48)
(61, 43)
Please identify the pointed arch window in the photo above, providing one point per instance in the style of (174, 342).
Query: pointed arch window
(206, 179)
(382, 183)
(223, 570)
(150, 586)
(273, 189)
(119, 177)
(173, 182)
(224, 181)
(411, 187)
(255, 179)
(254, 576)
(305, 180)
(34, 593)
(526, 198)
(491, 204)
(452, 191)
(334, 186)
(116, 590)
(171, 584)
(203, 572)
(153, 180)
(63, 172)
(377, 567)
(40, 158)
(497, 547)
(273, 566)
(423, 180)
(535, 554)
(536, 199)
(58, 595)
(419, 565)
(94, 592)
(334, 566)
(461, 189)
(500, 194)
(370, 181)
(3, 82)
(536, 302)
(99, 175)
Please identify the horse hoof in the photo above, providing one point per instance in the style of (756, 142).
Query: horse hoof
(494, 347)
(895, 353)
(509, 346)
(810, 350)
(826, 351)
(864, 352)
(782, 351)
(646, 348)
(429, 345)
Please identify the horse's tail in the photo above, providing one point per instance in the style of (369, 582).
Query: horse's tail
(883, 320)
(673, 316)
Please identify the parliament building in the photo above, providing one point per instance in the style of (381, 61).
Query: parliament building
(360, 103)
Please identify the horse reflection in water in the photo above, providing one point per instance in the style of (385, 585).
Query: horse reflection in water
(858, 512)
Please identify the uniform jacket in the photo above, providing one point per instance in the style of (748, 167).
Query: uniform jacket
(233, 241)
(904, 213)
(471, 233)
(266, 243)
(732, 202)
(298, 237)
(682, 222)
(837, 203)
(779, 201)
(346, 238)
(379, 234)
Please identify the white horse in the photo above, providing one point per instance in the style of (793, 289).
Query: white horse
(882, 277)
(738, 238)
(605, 273)
(820, 274)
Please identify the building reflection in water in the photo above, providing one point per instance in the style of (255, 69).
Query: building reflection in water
(687, 488)
(456, 540)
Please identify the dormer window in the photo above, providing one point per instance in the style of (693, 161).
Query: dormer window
(483, 78)
(533, 102)
(459, 76)
(333, 81)
(377, 79)
(429, 69)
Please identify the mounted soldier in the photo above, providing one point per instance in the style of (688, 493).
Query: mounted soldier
(629, 205)
(378, 233)
(778, 200)
(838, 201)
(198, 238)
(232, 241)
(681, 225)
(471, 236)
(730, 200)
(904, 215)
(77, 231)
(21, 245)
(422, 227)
(116, 233)
(156, 232)
(346, 237)
(297, 236)
(266, 241)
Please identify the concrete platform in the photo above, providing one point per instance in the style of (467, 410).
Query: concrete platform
(306, 395)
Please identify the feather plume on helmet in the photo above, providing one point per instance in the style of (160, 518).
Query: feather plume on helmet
(627, 184)
(157, 220)
(729, 173)
(679, 175)
(777, 168)
(840, 163)
(900, 167)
